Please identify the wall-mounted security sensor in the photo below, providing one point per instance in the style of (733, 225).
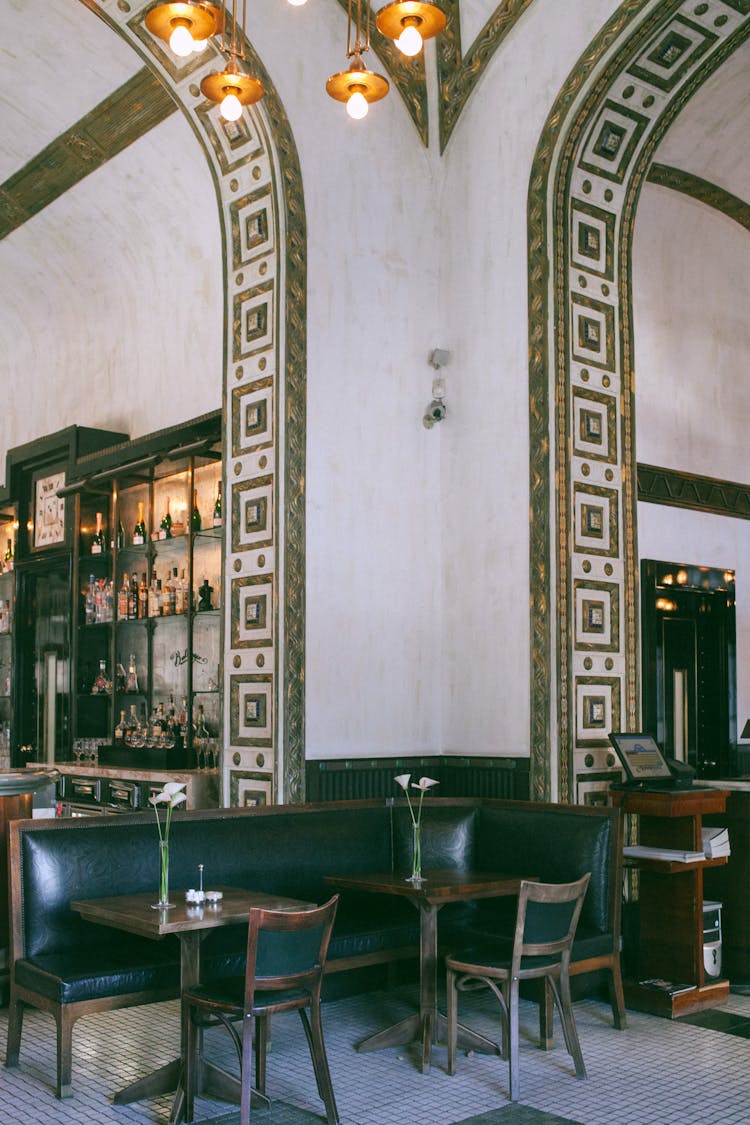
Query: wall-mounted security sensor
(439, 358)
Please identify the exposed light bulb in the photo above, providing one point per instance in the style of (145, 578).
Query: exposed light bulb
(231, 108)
(409, 41)
(357, 106)
(297, 3)
(181, 42)
(199, 45)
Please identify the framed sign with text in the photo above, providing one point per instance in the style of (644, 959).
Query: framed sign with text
(49, 510)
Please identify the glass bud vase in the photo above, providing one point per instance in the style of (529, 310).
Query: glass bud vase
(163, 903)
(416, 863)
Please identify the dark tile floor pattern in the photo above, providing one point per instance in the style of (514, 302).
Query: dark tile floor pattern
(510, 1115)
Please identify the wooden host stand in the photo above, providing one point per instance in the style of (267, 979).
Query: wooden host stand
(671, 900)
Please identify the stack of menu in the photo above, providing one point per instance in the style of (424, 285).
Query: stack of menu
(671, 855)
(716, 842)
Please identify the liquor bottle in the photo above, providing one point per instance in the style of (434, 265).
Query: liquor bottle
(98, 544)
(119, 540)
(99, 601)
(89, 601)
(153, 595)
(123, 599)
(217, 505)
(121, 728)
(133, 597)
(8, 559)
(167, 597)
(139, 531)
(195, 522)
(173, 592)
(182, 718)
(165, 527)
(102, 682)
(131, 680)
(143, 597)
(120, 678)
(205, 597)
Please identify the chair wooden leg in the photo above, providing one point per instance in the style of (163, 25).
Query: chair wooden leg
(314, 1032)
(546, 1015)
(64, 1052)
(617, 996)
(15, 1027)
(561, 992)
(262, 1035)
(246, 1068)
(513, 989)
(451, 1011)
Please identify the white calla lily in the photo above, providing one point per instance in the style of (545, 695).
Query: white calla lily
(403, 780)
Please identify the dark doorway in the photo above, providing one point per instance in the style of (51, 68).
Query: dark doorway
(689, 664)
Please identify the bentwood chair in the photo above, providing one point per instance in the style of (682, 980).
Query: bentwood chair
(546, 923)
(286, 954)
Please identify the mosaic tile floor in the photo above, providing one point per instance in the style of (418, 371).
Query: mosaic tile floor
(656, 1072)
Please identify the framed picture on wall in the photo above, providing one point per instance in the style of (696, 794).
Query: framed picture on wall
(49, 510)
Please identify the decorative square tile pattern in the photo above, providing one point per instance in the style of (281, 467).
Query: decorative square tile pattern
(253, 226)
(252, 514)
(252, 416)
(254, 320)
(234, 142)
(612, 140)
(594, 425)
(251, 720)
(597, 701)
(673, 51)
(252, 611)
(592, 239)
(593, 329)
(595, 520)
(597, 616)
(248, 790)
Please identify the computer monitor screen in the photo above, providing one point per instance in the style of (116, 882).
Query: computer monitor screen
(641, 758)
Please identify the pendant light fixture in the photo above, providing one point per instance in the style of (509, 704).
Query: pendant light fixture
(232, 87)
(409, 22)
(186, 26)
(357, 86)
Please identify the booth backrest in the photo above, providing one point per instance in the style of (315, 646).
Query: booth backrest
(559, 843)
(289, 850)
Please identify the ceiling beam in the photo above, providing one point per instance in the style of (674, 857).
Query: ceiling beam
(132, 110)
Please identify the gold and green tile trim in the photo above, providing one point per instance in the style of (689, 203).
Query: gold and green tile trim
(592, 159)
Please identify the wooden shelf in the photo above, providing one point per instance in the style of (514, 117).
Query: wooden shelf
(670, 940)
(671, 867)
(658, 1003)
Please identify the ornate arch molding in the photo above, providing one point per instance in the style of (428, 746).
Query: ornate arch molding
(256, 174)
(590, 165)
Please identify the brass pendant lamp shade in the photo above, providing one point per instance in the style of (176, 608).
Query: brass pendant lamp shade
(357, 80)
(357, 86)
(414, 19)
(201, 21)
(219, 85)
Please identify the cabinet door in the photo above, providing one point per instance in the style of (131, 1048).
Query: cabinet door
(44, 604)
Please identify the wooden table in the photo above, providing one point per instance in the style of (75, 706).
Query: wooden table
(135, 915)
(439, 887)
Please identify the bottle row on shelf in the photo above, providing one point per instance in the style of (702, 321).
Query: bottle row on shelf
(142, 599)
(166, 727)
(168, 527)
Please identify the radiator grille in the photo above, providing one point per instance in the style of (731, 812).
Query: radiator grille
(353, 779)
